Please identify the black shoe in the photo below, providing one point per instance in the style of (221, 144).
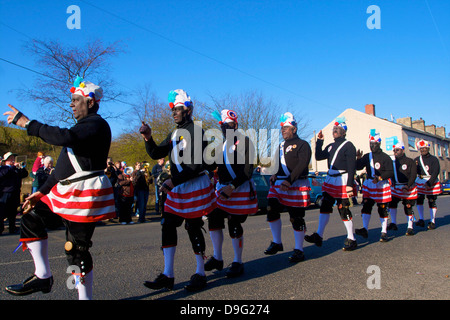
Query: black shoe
(297, 256)
(314, 238)
(213, 263)
(274, 248)
(362, 232)
(431, 226)
(392, 226)
(349, 245)
(235, 270)
(384, 237)
(162, 281)
(197, 282)
(31, 285)
(410, 232)
(420, 223)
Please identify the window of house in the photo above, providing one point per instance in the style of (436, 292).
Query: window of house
(446, 149)
(412, 143)
(439, 153)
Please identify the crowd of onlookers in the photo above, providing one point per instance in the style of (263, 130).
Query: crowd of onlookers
(131, 186)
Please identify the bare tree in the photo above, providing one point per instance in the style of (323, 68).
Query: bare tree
(257, 113)
(60, 65)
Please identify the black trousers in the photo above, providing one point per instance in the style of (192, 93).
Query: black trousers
(9, 202)
(170, 222)
(34, 226)
(216, 221)
(296, 214)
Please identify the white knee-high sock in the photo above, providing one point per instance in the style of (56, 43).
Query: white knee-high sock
(420, 210)
(217, 241)
(299, 237)
(383, 224)
(323, 221)
(169, 257)
(433, 214)
(200, 264)
(238, 246)
(39, 252)
(85, 287)
(366, 220)
(349, 227)
(275, 227)
(410, 221)
(393, 213)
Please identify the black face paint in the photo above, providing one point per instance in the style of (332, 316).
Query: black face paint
(227, 126)
(374, 147)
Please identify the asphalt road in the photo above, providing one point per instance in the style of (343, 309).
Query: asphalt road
(406, 268)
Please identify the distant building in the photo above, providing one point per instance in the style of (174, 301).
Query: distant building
(409, 131)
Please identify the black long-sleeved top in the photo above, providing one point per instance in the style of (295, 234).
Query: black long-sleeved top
(385, 171)
(89, 138)
(345, 160)
(239, 160)
(190, 168)
(406, 171)
(297, 159)
(433, 165)
(11, 178)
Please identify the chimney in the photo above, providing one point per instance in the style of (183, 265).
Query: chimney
(440, 131)
(431, 129)
(370, 109)
(419, 124)
(405, 121)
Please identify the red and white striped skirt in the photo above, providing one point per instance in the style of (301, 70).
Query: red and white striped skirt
(191, 199)
(422, 187)
(336, 186)
(240, 201)
(89, 200)
(379, 192)
(411, 194)
(296, 196)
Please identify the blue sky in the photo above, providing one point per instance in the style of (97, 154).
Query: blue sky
(316, 56)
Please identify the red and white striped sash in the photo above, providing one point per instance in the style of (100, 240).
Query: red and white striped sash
(89, 200)
(240, 201)
(336, 186)
(422, 187)
(296, 196)
(397, 191)
(191, 199)
(379, 192)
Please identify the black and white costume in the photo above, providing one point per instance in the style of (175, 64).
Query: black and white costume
(403, 189)
(341, 156)
(294, 158)
(428, 184)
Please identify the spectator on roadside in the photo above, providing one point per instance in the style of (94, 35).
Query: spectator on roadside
(141, 190)
(126, 197)
(11, 175)
(44, 172)
(156, 171)
(112, 172)
(38, 163)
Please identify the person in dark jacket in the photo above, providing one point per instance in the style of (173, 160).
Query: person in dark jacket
(78, 176)
(126, 196)
(338, 185)
(235, 193)
(403, 187)
(289, 188)
(376, 189)
(190, 193)
(141, 180)
(428, 184)
(11, 175)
